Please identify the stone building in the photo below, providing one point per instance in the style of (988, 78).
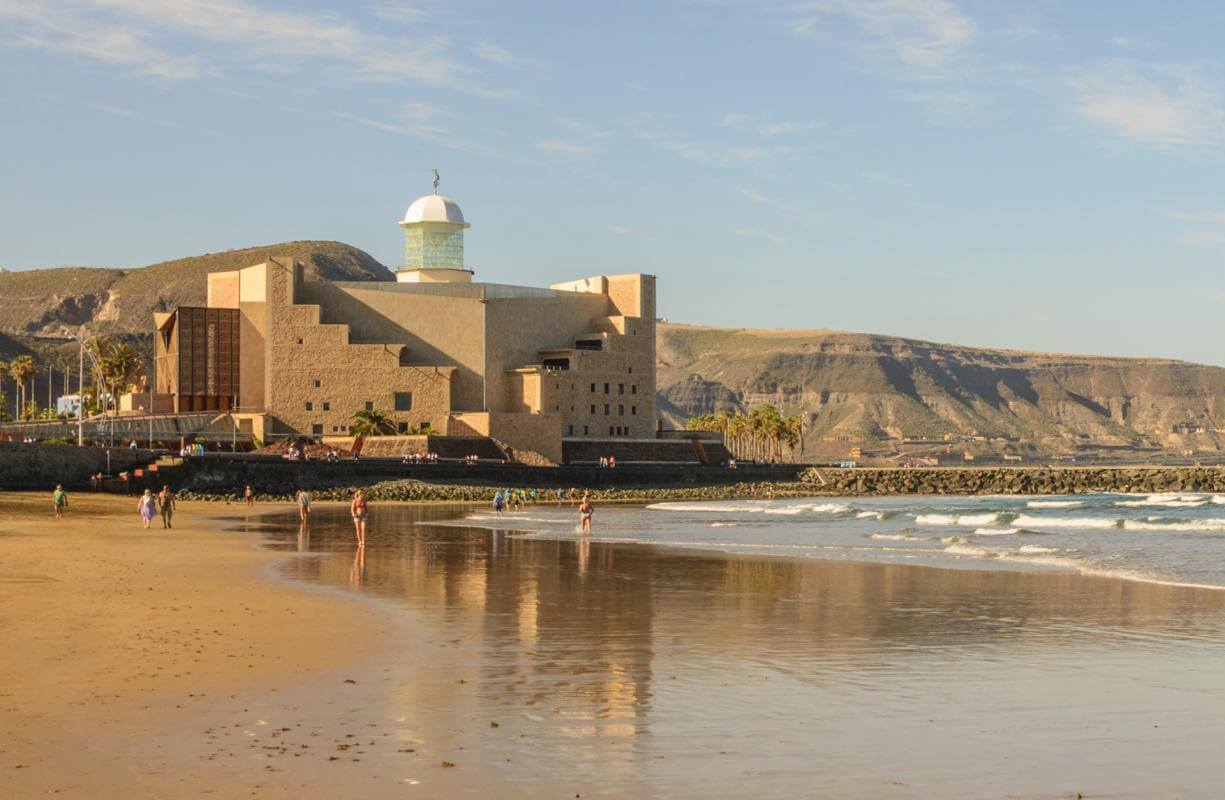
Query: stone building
(435, 350)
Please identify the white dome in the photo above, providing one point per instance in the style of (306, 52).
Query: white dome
(434, 208)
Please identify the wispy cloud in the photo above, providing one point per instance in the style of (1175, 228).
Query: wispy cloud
(767, 128)
(761, 199)
(139, 35)
(137, 116)
(419, 121)
(1168, 107)
(921, 34)
(399, 13)
(758, 233)
(706, 152)
(559, 146)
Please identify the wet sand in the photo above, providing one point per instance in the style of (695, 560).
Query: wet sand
(188, 663)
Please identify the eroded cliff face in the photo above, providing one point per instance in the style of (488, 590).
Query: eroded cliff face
(870, 391)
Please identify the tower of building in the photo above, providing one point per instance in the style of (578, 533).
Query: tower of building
(434, 241)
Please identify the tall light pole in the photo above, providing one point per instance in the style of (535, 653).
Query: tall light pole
(81, 387)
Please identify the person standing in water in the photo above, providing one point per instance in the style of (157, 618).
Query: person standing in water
(248, 496)
(585, 510)
(146, 506)
(499, 502)
(60, 499)
(360, 513)
(165, 504)
(304, 505)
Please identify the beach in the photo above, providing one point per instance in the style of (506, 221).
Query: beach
(511, 658)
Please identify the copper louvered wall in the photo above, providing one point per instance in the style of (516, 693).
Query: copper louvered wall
(208, 359)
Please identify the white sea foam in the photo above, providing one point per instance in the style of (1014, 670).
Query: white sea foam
(995, 531)
(870, 515)
(1038, 523)
(724, 524)
(753, 507)
(899, 537)
(1211, 525)
(1054, 503)
(971, 550)
(958, 519)
(1037, 548)
(1166, 500)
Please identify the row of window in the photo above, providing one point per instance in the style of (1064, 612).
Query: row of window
(613, 430)
(317, 428)
(620, 409)
(403, 401)
(620, 388)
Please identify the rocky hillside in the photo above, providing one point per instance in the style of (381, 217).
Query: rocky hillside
(895, 397)
(108, 301)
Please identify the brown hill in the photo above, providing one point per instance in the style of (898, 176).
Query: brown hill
(42, 301)
(894, 397)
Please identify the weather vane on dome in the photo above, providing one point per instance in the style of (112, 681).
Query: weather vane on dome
(435, 181)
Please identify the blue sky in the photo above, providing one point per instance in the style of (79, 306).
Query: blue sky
(1037, 175)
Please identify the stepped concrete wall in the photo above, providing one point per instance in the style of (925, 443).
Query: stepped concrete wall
(41, 466)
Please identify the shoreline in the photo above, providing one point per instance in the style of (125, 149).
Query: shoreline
(311, 688)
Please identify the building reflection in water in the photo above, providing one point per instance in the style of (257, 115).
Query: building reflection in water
(605, 643)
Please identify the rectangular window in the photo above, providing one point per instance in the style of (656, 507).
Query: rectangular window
(327, 406)
(610, 430)
(569, 430)
(316, 384)
(593, 408)
(584, 430)
(404, 401)
(310, 406)
(631, 370)
(606, 388)
(634, 389)
(606, 409)
(620, 410)
(402, 427)
(593, 387)
(369, 405)
(317, 429)
(299, 341)
(633, 411)
(425, 427)
(620, 388)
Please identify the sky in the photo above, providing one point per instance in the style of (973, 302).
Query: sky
(1041, 175)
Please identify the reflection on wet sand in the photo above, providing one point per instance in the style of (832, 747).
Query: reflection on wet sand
(656, 672)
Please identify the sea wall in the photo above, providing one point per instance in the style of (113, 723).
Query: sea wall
(41, 466)
(1005, 480)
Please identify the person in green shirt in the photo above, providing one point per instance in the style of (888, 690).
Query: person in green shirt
(60, 498)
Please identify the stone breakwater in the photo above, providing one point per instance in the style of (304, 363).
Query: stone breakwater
(813, 481)
(1029, 480)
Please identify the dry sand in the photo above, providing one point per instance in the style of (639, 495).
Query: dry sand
(171, 663)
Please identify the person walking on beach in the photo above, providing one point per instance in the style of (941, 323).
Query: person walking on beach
(585, 510)
(499, 502)
(146, 506)
(360, 512)
(248, 496)
(165, 504)
(304, 505)
(60, 499)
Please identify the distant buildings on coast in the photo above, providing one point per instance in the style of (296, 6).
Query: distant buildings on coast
(436, 351)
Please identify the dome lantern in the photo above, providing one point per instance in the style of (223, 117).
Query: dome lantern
(434, 241)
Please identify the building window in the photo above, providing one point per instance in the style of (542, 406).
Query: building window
(317, 429)
(610, 430)
(633, 411)
(327, 406)
(369, 405)
(310, 406)
(584, 430)
(593, 388)
(557, 408)
(620, 388)
(402, 427)
(631, 370)
(569, 430)
(316, 384)
(593, 408)
(620, 409)
(634, 389)
(425, 427)
(299, 341)
(606, 388)
(606, 409)
(403, 401)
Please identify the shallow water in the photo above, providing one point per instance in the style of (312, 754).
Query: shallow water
(686, 671)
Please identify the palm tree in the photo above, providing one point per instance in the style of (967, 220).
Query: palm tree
(372, 423)
(22, 369)
(118, 366)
